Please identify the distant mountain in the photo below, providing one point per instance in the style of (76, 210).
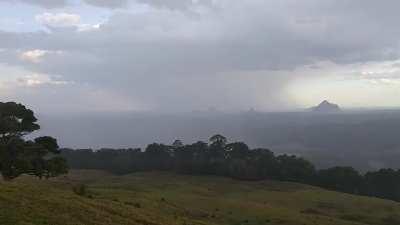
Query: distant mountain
(326, 106)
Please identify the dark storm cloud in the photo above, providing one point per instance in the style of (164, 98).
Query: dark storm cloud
(168, 57)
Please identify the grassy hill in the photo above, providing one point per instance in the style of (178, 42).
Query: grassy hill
(165, 198)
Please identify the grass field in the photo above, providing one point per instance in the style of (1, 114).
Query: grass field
(165, 198)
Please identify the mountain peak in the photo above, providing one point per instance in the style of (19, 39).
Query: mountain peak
(326, 106)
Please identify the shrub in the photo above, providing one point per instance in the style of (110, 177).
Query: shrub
(80, 190)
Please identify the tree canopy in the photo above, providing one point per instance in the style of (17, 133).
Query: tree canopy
(236, 160)
(38, 157)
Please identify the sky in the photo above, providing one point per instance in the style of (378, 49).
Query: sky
(73, 56)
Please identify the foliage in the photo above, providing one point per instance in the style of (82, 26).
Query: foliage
(235, 160)
(19, 156)
(384, 183)
(345, 179)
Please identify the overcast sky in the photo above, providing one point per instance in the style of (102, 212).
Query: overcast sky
(182, 55)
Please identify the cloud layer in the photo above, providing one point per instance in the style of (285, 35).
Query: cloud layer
(185, 54)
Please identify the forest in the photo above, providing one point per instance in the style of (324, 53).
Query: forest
(235, 160)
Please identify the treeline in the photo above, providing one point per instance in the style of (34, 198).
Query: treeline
(236, 160)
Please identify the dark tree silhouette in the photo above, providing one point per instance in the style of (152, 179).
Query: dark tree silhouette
(158, 157)
(18, 156)
(238, 161)
(292, 168)
(384, 183)
(177, 144)
(218, 140)
(345, 179)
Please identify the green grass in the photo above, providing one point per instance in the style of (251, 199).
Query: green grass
(165, 198)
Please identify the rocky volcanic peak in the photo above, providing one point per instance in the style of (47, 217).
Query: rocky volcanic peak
(326, 106)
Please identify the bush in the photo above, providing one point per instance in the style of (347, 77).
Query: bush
(80, 190)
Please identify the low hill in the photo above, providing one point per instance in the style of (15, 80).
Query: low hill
(165, 198)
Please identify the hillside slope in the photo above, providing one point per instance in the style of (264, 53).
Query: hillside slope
(164, 198)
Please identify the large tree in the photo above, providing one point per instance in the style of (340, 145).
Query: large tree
(18, 156)
(344, 179)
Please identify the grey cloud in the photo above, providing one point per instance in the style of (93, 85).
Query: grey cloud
(270, 33)
(41, 3)
(62, 3)
(169, 58)
(171, 4)
(108, 3)
(177, 4)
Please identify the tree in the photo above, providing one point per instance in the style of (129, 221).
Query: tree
(16, 121)
(158, 157)
(344, 179)
(218, 140)
(237, 150)
(292, 168)
(177, 144)
(384, 183)
(18, 156)
(265, 162)
(216, 155)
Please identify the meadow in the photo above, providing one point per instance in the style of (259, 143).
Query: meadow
(90, 197)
